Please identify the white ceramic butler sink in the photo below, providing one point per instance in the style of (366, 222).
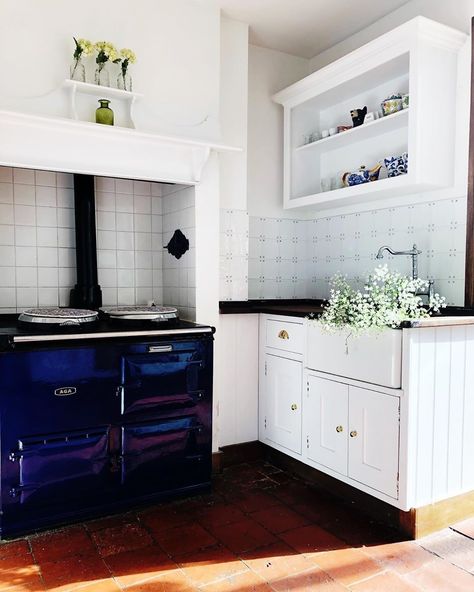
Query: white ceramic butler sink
(374, 358)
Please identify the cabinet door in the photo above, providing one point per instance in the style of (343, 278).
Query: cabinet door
(283, 382)
(374, 439)
(326, 423)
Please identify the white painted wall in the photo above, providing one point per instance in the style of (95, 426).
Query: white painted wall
(177, 45)
(233, 113)
(457, 15)
(269, 71)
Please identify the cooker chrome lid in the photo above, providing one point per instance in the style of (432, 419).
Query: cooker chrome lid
(58, 316)
(141, 313)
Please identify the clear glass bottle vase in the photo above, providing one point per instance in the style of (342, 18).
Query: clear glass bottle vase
(102, 77)
(77, 71)
(124, 81)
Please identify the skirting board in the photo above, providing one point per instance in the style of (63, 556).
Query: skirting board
(236, 454)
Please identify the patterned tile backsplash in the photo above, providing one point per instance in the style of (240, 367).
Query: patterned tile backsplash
(37, 241)
(296, 258)
(234, 254)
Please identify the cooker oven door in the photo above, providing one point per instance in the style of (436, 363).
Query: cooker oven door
(167, 379)
(54, 476)
(165, 455)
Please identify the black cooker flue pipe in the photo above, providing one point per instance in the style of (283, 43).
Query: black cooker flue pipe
(86, 293)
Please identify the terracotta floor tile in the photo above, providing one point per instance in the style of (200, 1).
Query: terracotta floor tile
(165, 517)
(294, 492)
(121, 538)
(400, 557)
(358, 530)
(19, 578)
(452, 546)
(312, 539)
(243, 536)
(245, 582)
(185, 539)
(175, 581)
(55, 545)
(308, 581)
(218, 514)
(73, 572)
(466, 527)
(279, 518)
(15, 555)
(133, 567)
(441, 576)
(314, 511)
(347, 566)
(14, 549)
(110, 521)
(252, 501)
(387, 582)
(209, 565)
(276, 561)
(106, 585)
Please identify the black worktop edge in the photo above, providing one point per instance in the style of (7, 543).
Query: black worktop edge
(274, 306)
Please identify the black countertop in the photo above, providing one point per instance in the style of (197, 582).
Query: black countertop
(291, 308)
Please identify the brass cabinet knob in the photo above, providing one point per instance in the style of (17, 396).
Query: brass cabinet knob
(294, 407)
(353, 434)
(283, 334)
(339, 429)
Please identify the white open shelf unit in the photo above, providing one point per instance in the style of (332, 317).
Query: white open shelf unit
(413, 58)
(74, 88)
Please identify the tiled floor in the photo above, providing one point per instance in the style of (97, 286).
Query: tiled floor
(261, 530)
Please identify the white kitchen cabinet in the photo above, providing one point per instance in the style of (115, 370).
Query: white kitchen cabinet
(353, 431)
(410, 59)
(326, 422)
(374, 420)
(282, 402)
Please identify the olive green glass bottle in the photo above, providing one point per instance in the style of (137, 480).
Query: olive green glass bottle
(104, 113)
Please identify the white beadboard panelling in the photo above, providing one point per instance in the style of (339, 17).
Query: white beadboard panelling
(438, 385)
(237, 378)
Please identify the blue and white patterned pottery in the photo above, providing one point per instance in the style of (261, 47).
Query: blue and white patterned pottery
(396, 165)
(362, 175)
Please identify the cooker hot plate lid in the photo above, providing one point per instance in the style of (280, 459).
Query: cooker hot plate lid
(58, 316)
(141, 313)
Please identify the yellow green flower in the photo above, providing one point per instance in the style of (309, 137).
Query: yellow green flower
(129, 55)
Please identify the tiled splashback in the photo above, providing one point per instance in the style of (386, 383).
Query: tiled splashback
(179, 275)
(37, 241)
(296, 258)
(234, 254)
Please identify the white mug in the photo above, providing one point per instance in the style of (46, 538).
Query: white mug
(324, 133)
(332, 131)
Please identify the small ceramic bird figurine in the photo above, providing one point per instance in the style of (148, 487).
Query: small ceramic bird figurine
(358, 116)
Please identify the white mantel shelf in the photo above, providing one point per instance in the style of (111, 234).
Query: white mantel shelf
(60, 144)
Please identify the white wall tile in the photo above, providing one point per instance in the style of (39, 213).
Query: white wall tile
(46, 196)
(46, 216)
(47, 237)
(6, 192)
(46, 178)
(24, 176)
(37, 238)
(24, 194)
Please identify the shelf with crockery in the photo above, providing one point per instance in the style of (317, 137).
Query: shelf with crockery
(400, 62)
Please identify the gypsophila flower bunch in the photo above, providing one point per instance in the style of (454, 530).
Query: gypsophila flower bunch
(386, 300)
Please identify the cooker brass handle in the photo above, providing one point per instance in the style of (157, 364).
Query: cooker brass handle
(353, 433)
(283, 334)
(339, 429)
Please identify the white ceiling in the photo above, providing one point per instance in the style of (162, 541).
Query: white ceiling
(305, 27)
